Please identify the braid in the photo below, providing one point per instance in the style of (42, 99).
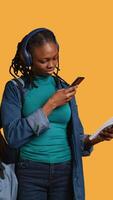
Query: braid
(18, 65)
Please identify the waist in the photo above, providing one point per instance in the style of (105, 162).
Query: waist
(58, 125)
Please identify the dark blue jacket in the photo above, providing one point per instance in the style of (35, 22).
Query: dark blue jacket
(19, 130)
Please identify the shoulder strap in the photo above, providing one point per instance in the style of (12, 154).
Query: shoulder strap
(20, 84)
(9, 155)
(2, 170)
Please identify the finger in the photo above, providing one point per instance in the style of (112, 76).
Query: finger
(61, 89)
(70, 89)
(76, 86)
(68, 99)
(106, 135)
(70, 94)
(110, 131)
(110, 135)
(108, 139)
(110, 128)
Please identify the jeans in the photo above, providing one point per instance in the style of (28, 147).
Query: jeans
(43, 181)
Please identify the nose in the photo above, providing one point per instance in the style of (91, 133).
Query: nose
(51, 64)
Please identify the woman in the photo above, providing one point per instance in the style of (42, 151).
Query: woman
(43, 122)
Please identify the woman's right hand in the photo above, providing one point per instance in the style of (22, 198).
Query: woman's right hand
(61, 97)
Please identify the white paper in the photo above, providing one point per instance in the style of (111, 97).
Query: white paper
(105, 125)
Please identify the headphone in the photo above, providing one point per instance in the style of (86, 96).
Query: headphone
(26, 55)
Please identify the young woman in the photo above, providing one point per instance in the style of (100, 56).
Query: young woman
(42, 121)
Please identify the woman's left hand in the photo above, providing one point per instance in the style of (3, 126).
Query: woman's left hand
(107, 134)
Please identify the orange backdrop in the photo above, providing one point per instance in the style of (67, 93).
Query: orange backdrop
(84, 31)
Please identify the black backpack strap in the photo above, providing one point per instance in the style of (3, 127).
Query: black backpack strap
(2, 171)
(13, 155)
(7, 154)
(20, 84)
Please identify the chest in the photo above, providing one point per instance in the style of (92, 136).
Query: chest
(37, 97)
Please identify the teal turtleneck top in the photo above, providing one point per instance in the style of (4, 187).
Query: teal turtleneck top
(52, 145)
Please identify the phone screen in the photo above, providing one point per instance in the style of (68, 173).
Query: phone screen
(77, 81)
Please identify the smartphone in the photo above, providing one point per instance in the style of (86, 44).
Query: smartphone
(77, 81)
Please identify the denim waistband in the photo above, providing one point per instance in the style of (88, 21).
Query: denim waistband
(43, 163)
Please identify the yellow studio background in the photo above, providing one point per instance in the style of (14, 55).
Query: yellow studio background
(85, 34)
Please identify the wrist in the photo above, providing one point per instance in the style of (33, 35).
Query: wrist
(52, 103)
(87, 142)
(48, 107)
(90, 142)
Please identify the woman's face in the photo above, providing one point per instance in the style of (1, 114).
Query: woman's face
(45, 59)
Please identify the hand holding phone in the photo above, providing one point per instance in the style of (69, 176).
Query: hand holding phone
(77, 81)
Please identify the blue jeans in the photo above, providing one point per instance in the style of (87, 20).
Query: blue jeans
(42, 181)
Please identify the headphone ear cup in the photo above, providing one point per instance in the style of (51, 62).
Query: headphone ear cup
(28, 58)
(26, 55)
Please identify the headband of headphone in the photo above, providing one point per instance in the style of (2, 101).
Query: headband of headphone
(26, 55)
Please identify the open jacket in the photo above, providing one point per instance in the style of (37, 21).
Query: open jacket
(19, 130)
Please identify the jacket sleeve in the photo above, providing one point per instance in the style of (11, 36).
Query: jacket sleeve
(17, 129)
(85, 151)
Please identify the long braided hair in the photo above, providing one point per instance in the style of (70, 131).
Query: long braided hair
(18, 65)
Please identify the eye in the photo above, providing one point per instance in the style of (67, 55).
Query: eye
(43, 61)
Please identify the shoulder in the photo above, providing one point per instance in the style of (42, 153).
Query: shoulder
(14, 86)
(16, 82)
(10, 91)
